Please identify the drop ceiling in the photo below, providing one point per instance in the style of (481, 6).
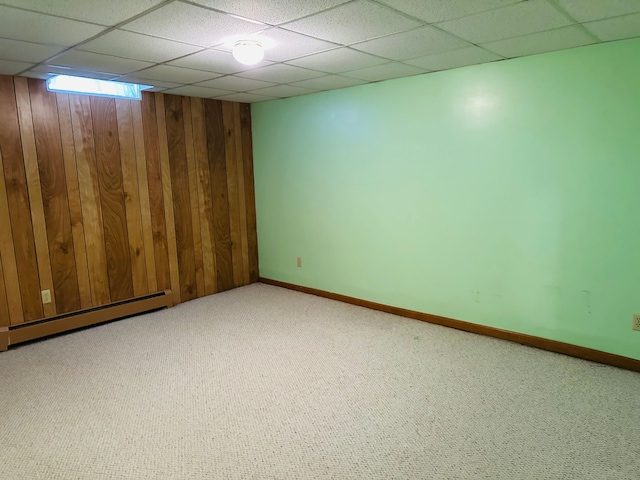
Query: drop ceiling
(183, 47)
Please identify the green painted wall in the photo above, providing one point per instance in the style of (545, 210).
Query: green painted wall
(505, 194)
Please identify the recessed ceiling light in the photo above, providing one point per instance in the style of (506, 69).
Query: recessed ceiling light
(248, 52)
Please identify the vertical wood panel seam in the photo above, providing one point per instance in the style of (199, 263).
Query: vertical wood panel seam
(4, 302)
(242, 196)
(66, 190)
(131, 197)
(16, 314)
(143, 193)
(115, 266)
(232, 193)
(48, 137)
(43, 259)
(77, 230)
(23, 241)
(167, 189)
(219, 150)
(104, 295)
(155, 190)
(205, 202)
(194, 197)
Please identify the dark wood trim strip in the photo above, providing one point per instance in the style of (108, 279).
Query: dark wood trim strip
(169, 298)
(4, 339)
(24, 333)
(524, 339)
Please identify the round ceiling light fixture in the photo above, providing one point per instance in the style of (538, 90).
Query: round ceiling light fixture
(248, 52)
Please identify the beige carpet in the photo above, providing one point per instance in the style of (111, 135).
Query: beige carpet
(265, 383)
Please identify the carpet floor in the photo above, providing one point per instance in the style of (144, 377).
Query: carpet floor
(265, 383)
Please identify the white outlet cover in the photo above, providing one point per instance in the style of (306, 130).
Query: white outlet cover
(46, 296)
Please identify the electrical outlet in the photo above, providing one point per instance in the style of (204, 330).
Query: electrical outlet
(636, 322)
(299, 262)
(46, 296)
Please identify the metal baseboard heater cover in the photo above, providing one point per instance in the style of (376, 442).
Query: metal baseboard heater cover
(25, 332)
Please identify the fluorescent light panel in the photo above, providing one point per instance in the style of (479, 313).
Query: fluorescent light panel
(92, 86)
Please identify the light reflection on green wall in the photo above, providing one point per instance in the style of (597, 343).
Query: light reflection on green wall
(505, 194)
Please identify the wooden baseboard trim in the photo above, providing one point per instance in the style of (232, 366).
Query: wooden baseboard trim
(4, 339)
(530, 340)
(25, 332)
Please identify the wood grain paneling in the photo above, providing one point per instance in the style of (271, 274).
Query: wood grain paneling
(18, 201)
(249, 189)
(105, 129)
(27, 136)
(143, 187)
(156, 191)
(193, 188)
(165, 168)
(205, 205)
(220, 197)
(87, 169)
(103, 200)
(232, 190)
(8, 255)
(132, 196)
(54, 192)
(242, 199)
(179, 169)
(4, 306)
(75, 205)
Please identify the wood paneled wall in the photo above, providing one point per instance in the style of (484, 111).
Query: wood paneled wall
(104, 200)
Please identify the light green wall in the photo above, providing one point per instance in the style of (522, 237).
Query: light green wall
(505, 194)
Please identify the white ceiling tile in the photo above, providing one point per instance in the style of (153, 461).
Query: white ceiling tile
(280, 45)
(235, 84)
(191, 24)
(338, 60)
(156, 83)
(57, 70)
(457, 58)
(280, 73)
(511, 21)
(557, 39)
(616, 28)
(271, 11)
(412, 44)
(155, 89)
(26, 51)
(438, 11)
(215, 61)
(34, 74)
(283, 91)
(195, 91)
(588, 10)
(329, 82)
(39, 28)
(104, 13)
(138, 47)
(8, 67)
(353, 22)
(99, 62)
(169, 73)
(245, 98)
(385, 72)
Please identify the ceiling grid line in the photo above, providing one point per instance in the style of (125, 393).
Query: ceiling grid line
(311, 45)
(562, 11)
(104, 32)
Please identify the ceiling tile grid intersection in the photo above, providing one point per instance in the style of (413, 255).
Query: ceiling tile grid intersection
(184, 46)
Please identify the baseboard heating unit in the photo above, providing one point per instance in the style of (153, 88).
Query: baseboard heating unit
(24, 332)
